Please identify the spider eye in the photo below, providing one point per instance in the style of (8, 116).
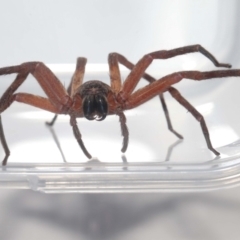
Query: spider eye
(95, 107)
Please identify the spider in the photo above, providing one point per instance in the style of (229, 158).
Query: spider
(95, 100)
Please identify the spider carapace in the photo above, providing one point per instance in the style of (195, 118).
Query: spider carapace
(95, 100)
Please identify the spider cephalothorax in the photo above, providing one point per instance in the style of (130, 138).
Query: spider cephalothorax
(95, 99)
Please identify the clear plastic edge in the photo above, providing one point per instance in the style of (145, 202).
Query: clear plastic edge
(98, 177)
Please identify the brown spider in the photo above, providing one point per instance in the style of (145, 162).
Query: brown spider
(95, 99)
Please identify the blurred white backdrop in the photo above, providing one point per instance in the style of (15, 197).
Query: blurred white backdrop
(58, 32)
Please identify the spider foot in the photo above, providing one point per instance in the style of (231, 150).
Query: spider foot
(225, 65)
(4, 162)
(215, 152)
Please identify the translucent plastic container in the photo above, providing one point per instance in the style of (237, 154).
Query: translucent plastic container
(50, 160)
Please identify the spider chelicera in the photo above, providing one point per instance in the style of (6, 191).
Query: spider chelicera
(95, 100)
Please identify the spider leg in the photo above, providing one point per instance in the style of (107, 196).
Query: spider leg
(73, 87)
(78, 136)
(113, 60)
(35, 101)
(115, 78)
(5, 101)
(53, 88)
(146, 93)
(75, 83)
(139, 69)
(170, 128)
(58, 102)
(77, 78)
(4, 143)
(30, 99)
(124, 129)
(115, 75)
(198, 116)
(7, 97)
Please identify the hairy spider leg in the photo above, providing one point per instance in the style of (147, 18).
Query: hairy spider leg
(59, 101)
(124, 130)
(141, 66)
(76, 82)
(77, 78)
(114, 71)
(78, 136)
(8, 97)
(53, 88)
(146, 93)
(166, 113)
(115, 83)
(198, 116)
(6, 100)
(118, 58)
(4, 143)
(138, 72)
